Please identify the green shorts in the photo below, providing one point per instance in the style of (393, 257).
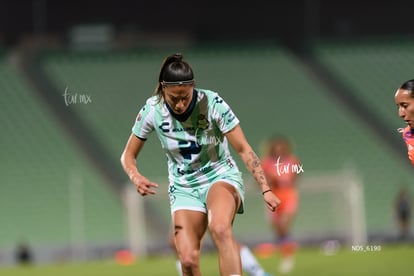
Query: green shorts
(183, 198)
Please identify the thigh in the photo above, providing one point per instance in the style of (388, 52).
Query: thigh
(223, 200)
(188, 229)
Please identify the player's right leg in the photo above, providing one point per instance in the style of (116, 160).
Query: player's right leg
(189, 228)
(171, 241)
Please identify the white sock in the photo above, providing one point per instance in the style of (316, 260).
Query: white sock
(249, 262)
(178, 265)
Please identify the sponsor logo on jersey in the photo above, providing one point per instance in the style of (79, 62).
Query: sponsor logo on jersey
(218, 100)
(229, 120)
(164, 126)
(225, 113)
(229, 115)
(179, 129)
(183, 172)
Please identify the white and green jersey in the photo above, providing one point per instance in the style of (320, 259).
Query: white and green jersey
(194, 142)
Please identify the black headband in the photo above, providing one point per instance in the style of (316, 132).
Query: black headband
(177, 82)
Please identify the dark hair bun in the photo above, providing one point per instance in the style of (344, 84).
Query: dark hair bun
(173, 58)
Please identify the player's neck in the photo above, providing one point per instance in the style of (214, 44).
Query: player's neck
(184, 116)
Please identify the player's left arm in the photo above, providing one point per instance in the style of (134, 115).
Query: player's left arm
(239, 143)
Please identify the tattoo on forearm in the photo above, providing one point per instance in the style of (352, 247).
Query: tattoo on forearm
(261, 176)
(254, 165)
(254, 159)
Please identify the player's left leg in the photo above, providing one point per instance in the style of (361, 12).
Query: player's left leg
(171, 241)
(223, 200)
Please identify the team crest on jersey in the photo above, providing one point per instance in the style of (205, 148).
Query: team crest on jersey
(202, 122)
(139, 117)
(202, 135)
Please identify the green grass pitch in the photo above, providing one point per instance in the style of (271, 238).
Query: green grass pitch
(391, 260)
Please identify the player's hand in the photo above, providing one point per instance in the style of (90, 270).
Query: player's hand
(143, 185)
(272, 201)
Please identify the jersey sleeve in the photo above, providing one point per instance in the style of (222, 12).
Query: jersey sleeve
(144, 123)
(223, 115)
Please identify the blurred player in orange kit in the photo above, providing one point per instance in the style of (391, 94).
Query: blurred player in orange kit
(281, 168)
(404, 98)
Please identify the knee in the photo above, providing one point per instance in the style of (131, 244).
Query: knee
(221, 232)
(190, 260)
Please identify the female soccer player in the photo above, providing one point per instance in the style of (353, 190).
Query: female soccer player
(281, 168)
(404, 98)
(206, 189)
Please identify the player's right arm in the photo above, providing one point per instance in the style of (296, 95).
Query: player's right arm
(128, 161)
